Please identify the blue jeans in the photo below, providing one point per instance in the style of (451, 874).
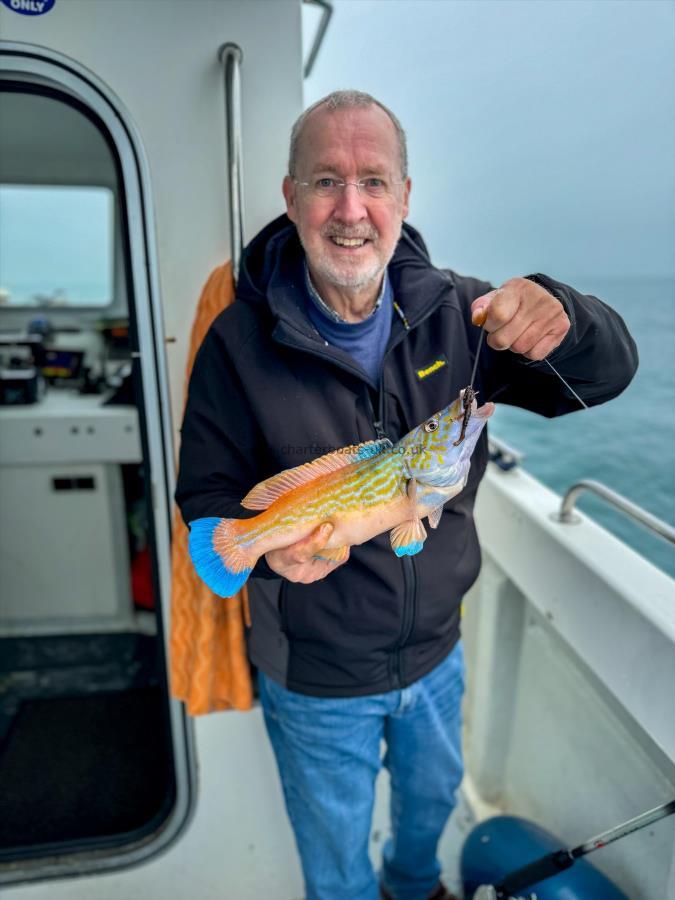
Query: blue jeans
(328, 753)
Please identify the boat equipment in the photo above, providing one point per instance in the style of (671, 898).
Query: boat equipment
(553, 863)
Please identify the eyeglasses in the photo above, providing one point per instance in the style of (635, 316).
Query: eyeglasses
(376, 187)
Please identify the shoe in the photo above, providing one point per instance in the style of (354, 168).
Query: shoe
(442, 893)
(438, 893)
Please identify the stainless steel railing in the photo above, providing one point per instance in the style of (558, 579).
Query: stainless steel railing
(506, 458)
(567, 517)
(231, 56)
(320, 33)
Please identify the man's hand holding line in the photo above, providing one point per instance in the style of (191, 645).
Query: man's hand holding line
(523, 317)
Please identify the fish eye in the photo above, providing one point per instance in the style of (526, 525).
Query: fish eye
(431, 425)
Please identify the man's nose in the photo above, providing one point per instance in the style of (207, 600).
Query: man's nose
(349, 205)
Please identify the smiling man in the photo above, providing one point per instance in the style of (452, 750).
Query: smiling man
(344, 331)
(348, 197)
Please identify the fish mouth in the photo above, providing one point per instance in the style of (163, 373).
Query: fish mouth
(482, 412)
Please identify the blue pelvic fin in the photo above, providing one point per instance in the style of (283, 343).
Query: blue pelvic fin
(409, 549)
(408, 538)
(218, 559)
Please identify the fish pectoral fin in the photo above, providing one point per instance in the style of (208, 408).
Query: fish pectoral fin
(408, 538)
(435, 516)
(335, 554)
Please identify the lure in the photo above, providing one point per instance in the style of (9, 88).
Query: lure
(469, 395)
(467, 403)
(361, 490)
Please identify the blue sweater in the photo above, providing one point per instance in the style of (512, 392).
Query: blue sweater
(365, 341)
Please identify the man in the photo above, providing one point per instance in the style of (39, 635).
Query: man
(344, 332)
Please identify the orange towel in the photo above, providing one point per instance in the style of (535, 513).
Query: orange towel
(209, 669)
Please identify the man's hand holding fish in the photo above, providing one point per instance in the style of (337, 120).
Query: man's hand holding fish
(302, 561)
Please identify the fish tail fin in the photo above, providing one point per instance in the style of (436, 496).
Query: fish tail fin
(218, 557)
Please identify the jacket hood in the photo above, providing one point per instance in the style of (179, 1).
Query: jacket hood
(274, 257)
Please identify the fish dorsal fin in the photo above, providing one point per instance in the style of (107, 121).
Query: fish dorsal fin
(265, 493)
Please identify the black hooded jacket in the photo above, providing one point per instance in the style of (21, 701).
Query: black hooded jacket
(267, 394)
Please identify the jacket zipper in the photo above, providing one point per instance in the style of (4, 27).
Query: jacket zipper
(407, 562)
(409, 609)
(379, 424)
(283, 616)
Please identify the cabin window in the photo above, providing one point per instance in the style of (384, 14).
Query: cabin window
(93, 758)
(56, 245)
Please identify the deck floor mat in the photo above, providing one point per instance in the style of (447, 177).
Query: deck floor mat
(82, 767)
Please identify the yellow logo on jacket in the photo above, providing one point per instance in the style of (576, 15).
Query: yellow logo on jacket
(429, 370)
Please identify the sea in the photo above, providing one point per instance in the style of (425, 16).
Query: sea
(45, 293)
(627, 443)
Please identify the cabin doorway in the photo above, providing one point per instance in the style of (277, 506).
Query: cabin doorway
(93, 754)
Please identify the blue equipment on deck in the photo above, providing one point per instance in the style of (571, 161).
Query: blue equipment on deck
(500, 845)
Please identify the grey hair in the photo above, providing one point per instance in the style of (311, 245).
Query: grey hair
(345, 100)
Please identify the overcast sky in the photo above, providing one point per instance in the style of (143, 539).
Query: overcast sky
(541, 132)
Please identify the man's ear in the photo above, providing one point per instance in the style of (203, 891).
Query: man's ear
(407, 186)
(288, 188)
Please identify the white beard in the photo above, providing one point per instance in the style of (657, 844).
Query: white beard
(346, 276)
(356, 280)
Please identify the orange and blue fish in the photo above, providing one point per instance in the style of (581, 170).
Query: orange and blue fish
(361, 490)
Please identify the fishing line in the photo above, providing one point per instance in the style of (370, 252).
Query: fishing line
(475, 362)
(553, 369)
(570, 389)
(469, 393)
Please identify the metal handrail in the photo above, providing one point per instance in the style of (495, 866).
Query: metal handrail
(320, 34)
(231, 56)
(644, 518)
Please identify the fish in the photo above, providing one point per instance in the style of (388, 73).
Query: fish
(362, 490)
